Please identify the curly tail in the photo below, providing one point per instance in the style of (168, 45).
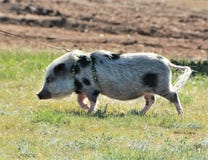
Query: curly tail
(182, 79)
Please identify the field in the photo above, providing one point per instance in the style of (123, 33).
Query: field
(59, 129)
(175, 28)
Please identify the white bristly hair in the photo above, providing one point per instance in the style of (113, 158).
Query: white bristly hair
(182, 79)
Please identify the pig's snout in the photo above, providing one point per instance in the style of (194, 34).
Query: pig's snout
(44, 94)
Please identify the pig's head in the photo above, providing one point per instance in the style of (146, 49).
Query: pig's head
(59, 80)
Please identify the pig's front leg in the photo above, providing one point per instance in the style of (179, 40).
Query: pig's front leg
(92, 96)
(83, 100)
(92, 106)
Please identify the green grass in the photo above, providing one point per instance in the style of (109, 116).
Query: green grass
(59, 129)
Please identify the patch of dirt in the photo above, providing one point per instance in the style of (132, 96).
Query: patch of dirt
(177, 29)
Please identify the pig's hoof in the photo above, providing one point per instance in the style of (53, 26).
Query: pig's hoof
(85, 106)
(90, 111)
(180, 112)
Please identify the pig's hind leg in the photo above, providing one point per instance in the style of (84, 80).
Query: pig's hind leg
(149, 101)
(173, 97)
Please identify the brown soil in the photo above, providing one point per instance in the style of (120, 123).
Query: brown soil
(175, 28)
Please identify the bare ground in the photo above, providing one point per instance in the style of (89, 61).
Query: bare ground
(175, 28)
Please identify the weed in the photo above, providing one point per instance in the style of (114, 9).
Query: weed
(24, 150)
(48, 116)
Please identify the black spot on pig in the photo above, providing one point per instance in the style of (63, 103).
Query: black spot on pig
(95, 93)
(59, 69)
(115, 56)
(78, 86)
(112, 56)
(86, 81)
(84, 61)
(150, 79)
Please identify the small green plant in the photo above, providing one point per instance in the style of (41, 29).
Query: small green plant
(24, 149)
(48, 116)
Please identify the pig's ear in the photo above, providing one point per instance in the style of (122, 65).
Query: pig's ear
(59, 69)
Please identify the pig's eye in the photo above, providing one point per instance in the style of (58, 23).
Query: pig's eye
(50, 79)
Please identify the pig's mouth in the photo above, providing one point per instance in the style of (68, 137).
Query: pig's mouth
(44, 94)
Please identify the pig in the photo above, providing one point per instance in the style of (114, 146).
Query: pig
(115, 75)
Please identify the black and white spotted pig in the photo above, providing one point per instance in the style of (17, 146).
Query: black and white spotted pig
(119, 76)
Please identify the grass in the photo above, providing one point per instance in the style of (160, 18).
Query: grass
(59, 129)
